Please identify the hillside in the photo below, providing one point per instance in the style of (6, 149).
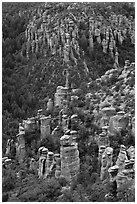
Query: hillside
(95, 42)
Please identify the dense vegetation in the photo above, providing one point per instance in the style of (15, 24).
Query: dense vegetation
(88, 188)
(15, 90)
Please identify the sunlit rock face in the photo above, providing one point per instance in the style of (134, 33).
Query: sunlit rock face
(50, 105)
(20, 147)
(118, 122)
(106, 162)
(60, 95)
(131, 152)
(30, 125)
(9, 146)
(45, 126)
(42, 161)
(49, 164)
(70, 162)
(122, 156)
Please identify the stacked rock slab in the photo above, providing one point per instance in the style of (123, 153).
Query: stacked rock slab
(123, 120)
(7, 163)
(122, 156)
(45, 126)
(121, 179)
(105, 129)
(58, 165)
(129, 170)
(123, 172)
(42, 161)
(118, 122)
(131, 152)
(103, 140)
(50, 105)
(49, 164)
(109, 155)
(64, 122)
(126, 175)
(60, 95)
(106, 162)
(101, 151)
(20, 147)
(106, 112)
(103, 167)
(10, 142)
(113, 171)
(39, 113)
(70, 162)
(74, 134)
(105, 152)
(29, 125)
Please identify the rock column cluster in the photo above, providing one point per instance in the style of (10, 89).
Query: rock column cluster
(45, 32)
(123, 172)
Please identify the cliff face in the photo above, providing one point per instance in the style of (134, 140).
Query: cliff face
(27, 82)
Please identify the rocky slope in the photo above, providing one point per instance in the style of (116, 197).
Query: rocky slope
(40, 41)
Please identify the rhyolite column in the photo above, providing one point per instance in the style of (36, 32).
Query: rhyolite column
(70, 162)
(49, 164)
(45, 126)
(21, 151)
(122, 156)
(42, 161)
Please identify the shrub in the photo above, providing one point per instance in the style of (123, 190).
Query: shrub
(126, 193)
(98, 192)
(40, 190)
(62, 181)
(9, 181)
(5, 197)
